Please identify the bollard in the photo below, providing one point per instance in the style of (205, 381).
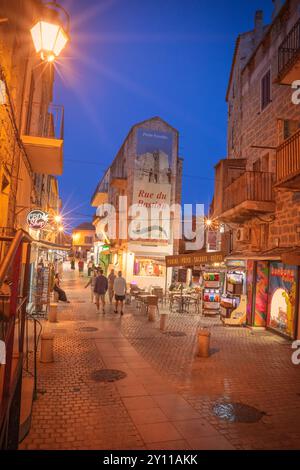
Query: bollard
(47, 348)
(163, 321)
(52, 316)
(151, 312)
(203, 342)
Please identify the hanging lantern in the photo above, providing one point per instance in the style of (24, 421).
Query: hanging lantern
(49, 37)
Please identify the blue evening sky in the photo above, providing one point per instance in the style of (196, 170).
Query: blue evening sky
(129, 60)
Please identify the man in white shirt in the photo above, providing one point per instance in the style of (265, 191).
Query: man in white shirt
(120, 291)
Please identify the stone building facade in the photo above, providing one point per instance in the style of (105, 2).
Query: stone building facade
(255, 132)
(144, 256)
(26, 94)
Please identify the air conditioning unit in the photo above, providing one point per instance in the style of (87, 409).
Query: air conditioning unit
(242, 235)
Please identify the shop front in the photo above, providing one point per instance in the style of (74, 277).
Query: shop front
(101, 256)
(201, 272)
(272, 298)
(145, 265)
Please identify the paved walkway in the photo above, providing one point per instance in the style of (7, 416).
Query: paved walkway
(167, 399)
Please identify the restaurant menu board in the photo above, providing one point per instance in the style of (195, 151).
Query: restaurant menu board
(282, 298)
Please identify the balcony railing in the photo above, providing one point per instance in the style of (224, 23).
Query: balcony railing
(45, 121)
(289, 54)
(288, 162)
(100, 195)
(251, 193)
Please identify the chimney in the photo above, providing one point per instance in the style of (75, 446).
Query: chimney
(259, 25)
(277, 7)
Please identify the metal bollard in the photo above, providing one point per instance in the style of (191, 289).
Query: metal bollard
(163, 321)
(47, 340)
(151, 312)
(52, 316)
(203, 342)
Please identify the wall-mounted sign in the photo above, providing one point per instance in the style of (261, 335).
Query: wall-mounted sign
(194, 259)
(37, 219)
(154, 169)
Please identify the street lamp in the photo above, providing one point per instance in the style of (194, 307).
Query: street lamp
(60, 228)
(48, 34)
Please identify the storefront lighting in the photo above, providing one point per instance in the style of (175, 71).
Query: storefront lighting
(57, 218)
(60, 228)
(50, 36)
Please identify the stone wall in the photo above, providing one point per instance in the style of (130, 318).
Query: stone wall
(253, 126)
(19, 63)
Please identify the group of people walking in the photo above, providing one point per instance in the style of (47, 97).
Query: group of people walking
(114, 285)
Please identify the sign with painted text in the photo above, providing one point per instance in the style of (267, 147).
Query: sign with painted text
(194, 259)
(153, 181)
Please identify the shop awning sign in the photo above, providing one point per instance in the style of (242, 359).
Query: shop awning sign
(194, 259)
(37, 219)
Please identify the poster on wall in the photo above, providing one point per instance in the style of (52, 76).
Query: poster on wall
(153, 180)
(249, 288)
(282, 298)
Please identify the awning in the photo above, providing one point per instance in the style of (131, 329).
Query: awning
(52, 246)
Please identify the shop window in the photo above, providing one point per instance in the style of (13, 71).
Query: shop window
(88, 240)
(148, 267)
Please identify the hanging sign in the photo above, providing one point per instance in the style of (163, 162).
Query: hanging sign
(37, 219)
(194, 259)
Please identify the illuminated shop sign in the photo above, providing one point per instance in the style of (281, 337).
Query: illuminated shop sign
(37, 219)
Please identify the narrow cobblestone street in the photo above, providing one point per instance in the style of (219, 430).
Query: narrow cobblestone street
(166, 400)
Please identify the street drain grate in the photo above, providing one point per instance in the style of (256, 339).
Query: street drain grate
(87, 329)
(237, 412)
(108, 375)
(175, 333)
